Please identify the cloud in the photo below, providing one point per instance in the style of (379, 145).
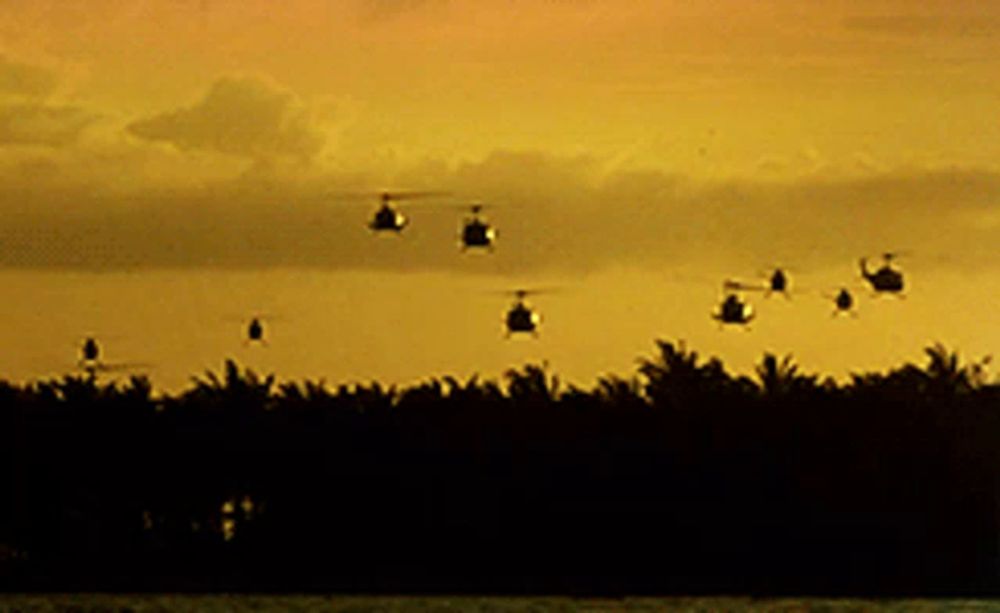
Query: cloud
(20, 79)
(238, 116)
(29, 113)
(37, 124)
(554, 214)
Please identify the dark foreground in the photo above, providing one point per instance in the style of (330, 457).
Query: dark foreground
(682, 480)
(114, 603)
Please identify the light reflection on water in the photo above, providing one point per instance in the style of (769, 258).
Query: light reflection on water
(87, 603)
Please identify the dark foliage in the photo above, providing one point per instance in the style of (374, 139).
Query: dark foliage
(682, 479)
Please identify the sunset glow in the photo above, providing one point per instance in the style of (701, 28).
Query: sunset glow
(634, 156)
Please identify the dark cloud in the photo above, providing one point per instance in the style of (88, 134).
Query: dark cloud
(38, 124)
(25, 80)
(238, 116)
(553, 214)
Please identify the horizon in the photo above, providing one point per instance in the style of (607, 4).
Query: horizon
(205, 325)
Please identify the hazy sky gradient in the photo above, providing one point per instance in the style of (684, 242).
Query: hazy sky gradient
(685, 140)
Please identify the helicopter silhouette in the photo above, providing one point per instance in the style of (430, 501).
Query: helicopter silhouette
(777, 282)
(733, 310)
(843, 302)
(255, 331)
(886, 279)
(387, 218)
(520, 317)
(90, 359)
(90, 351)
(477, 233)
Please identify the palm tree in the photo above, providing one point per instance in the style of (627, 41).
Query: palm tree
(237, 390)
(778, 379)
(615, 391)
(677, 380)
(946, 375)
(531, 383)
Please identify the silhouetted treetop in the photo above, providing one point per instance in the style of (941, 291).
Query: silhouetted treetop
(771, 482)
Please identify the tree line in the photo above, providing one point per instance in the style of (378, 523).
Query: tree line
(680, 478)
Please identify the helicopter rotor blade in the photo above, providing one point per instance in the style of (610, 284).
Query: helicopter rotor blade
(770, 269)
(527, 291)
(386, 195)
(246, 318)
(411, 195)
(472, 204)
(97, 366)
(734, 285)
(544, 289)
(888, 256)
(97, 336)
(123, 366)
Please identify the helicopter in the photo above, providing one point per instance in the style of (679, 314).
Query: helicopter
(89, 352)
(253, 328)
(520, 317)
(90, 359)
(843, 302)
(255, 331)
(886, 279)
(476, 232)
(777, 282)
(387, 218)
(733, 309)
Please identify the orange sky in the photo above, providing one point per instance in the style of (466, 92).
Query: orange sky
(702, 88)
(125, 107)
(717, 136)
